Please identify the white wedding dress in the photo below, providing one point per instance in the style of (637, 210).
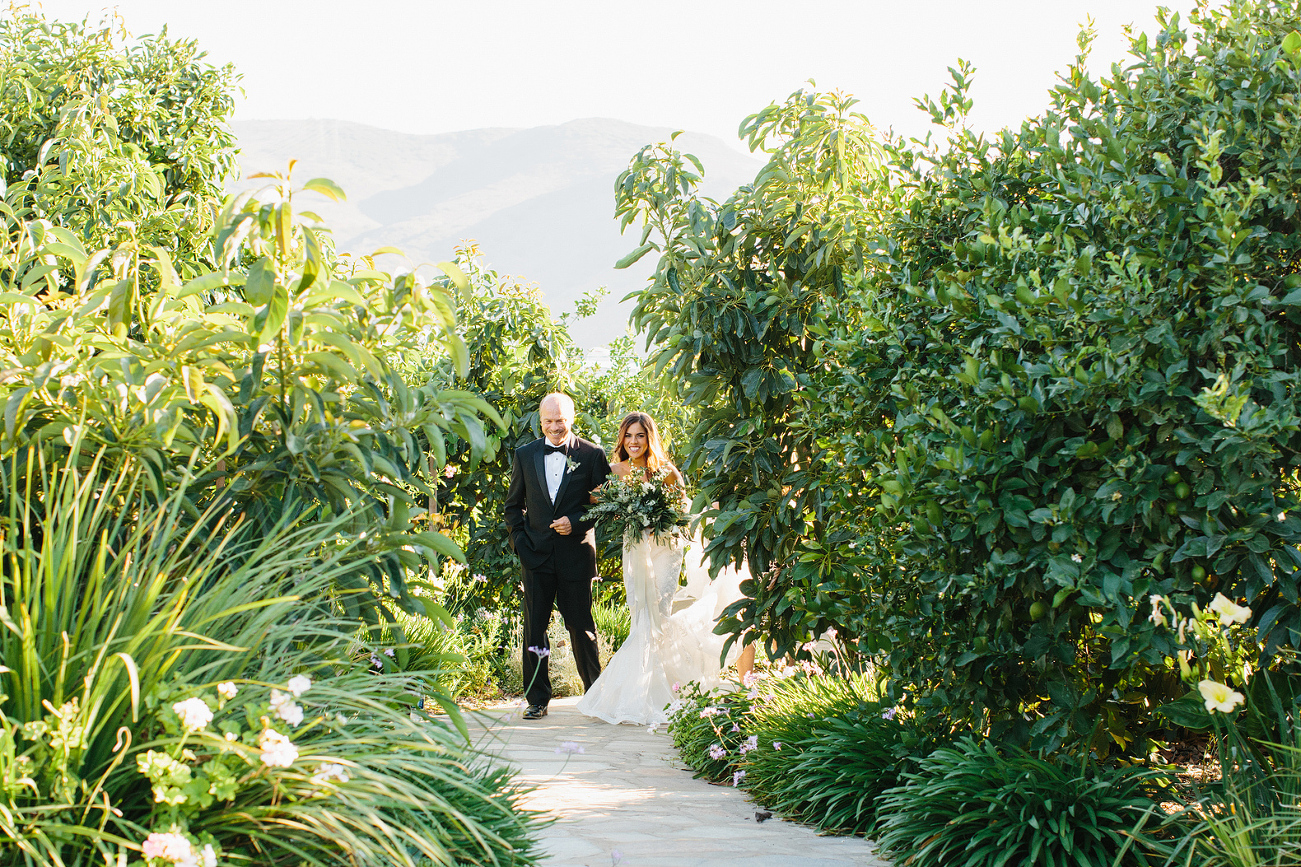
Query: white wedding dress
(671, 639)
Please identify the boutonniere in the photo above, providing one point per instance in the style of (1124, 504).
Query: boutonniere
(570, 463)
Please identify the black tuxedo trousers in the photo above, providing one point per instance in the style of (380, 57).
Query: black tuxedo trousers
(557, 570)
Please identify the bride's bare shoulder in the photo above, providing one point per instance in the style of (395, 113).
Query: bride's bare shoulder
(675, 476)
(620, 468)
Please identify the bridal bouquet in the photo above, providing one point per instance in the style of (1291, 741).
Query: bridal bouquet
(633, 506)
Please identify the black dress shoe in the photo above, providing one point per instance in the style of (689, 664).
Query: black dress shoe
(535, 711)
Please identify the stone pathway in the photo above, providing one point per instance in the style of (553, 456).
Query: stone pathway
(627, 800)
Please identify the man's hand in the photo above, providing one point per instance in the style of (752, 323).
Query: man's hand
(561, 525)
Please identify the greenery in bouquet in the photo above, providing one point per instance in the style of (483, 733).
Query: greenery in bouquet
(631, 507)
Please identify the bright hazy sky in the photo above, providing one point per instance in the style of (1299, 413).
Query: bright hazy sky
(703, 65)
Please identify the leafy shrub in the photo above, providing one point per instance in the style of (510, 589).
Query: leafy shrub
(120, 609)
(1248, 818)
(791, 716)
(112, 137)
(147, 317)
(832, 776)
(971, 806)
(613, 623)
(814, 747)
(706, 729)
(284, 381)
(466, 651)
(982, 399)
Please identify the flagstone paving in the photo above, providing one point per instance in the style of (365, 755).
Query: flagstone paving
(627, 800)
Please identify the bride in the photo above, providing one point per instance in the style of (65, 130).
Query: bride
(664, 647)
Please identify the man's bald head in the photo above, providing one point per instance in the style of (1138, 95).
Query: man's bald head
(560, 402)
(556, 414)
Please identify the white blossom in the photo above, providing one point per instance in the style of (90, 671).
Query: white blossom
(283, 706)
(1157, 616)
(168, 847)
(1228, 611)
(194, 713)
(277, 750)
(330, 771)
(299, 684)
(1218, 696)
(205, 857)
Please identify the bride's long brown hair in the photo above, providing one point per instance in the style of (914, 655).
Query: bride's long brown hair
(656, 457)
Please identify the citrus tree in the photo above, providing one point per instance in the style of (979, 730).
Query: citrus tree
(1089, 328)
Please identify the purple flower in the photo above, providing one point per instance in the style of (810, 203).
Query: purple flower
(889, 714)
(716, 752)
(568, 748)
(737, 778)
(751, 743)
(735, 727)
(616, 858)
(708, 712)
(541, 652)
(388, 651)
(776, 745)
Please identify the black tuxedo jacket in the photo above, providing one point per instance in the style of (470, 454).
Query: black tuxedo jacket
(529, 510)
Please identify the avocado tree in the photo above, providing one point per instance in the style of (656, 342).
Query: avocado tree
(111, 137)
(742, 294)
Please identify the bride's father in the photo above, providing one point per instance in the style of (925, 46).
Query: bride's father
(551, 483)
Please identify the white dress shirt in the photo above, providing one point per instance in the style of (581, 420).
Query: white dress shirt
(554, 464)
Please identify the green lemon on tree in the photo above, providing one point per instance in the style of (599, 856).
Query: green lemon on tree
(1182, 490)
(1038, 610)
(1199, 574)
(1173, 477)
(1172, 509)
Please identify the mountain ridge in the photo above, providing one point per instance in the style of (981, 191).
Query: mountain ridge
(539, 201)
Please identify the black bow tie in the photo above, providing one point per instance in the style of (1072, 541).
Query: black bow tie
(551, 450)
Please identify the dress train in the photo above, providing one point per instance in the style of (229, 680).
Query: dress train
(671, 639)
